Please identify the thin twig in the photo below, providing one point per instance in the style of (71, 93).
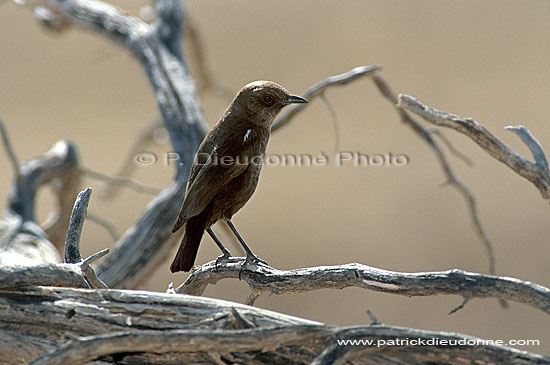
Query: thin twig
(121, 181)
(96, 256)
(89, 273)
(9, 149)
(334, 118)
(128, 165)
(452, 179)
(317, 89)
(450, 146)
(105, 223)
(536, 173)
(533, 144)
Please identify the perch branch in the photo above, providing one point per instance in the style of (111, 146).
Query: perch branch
(452, 282)
(452, 179)
(536, 173)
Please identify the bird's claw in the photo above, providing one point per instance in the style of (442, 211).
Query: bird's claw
(223, 258)
(251, 260)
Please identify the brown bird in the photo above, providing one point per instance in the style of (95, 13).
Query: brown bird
(227, 167)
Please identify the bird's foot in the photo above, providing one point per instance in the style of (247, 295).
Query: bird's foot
(223, 258)
(251, 260)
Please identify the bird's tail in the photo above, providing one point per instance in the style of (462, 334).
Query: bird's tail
(189, 246)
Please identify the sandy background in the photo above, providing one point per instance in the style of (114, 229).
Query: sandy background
(487, 60)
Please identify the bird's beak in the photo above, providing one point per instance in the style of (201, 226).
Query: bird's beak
(294, 99)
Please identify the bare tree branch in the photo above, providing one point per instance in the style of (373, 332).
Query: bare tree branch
(123, 326)
(533, 145)
(84, 349)
(22, 241)
(421, 347)
(72, 244)
(536, 173)
(157, 47)
(128, 165)
(65, 188)
(105, 223)
(317, 89)
(263, 278)
(9, 149)
(62, 275)
(121, 181)
(452, 179)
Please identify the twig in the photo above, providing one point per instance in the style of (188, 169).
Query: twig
(9, 149)
(454, 282)
(452, 179)
(96, 256)
(121, 181)
(533, 145)
(536, 173)
(105, 223)
(72, 243)
(319, 88)
(334, 118)
(89, 273)
(128, 166)
(452, 149)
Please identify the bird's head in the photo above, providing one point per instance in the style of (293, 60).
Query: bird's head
(261, 101)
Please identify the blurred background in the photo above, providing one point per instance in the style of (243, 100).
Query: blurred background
(486, 60)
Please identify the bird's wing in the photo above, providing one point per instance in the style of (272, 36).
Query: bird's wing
(207, 183)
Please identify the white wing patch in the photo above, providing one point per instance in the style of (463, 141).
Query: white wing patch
(247, 135)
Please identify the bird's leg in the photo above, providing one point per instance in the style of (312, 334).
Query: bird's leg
(225, 253)
(250, 257)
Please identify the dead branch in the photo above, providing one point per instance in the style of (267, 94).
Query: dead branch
(469, 285)
(120, 181)
(316, 90)
(452, 179)
(143, 327)
(158, 47)
(22, 241)
(537, 173)
(128, 165)
(10, 152)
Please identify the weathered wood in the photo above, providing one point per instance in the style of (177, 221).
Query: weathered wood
(62, 326)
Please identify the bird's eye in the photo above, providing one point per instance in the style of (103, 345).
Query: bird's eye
(268, 99)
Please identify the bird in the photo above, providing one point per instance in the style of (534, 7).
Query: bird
(226, 169)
